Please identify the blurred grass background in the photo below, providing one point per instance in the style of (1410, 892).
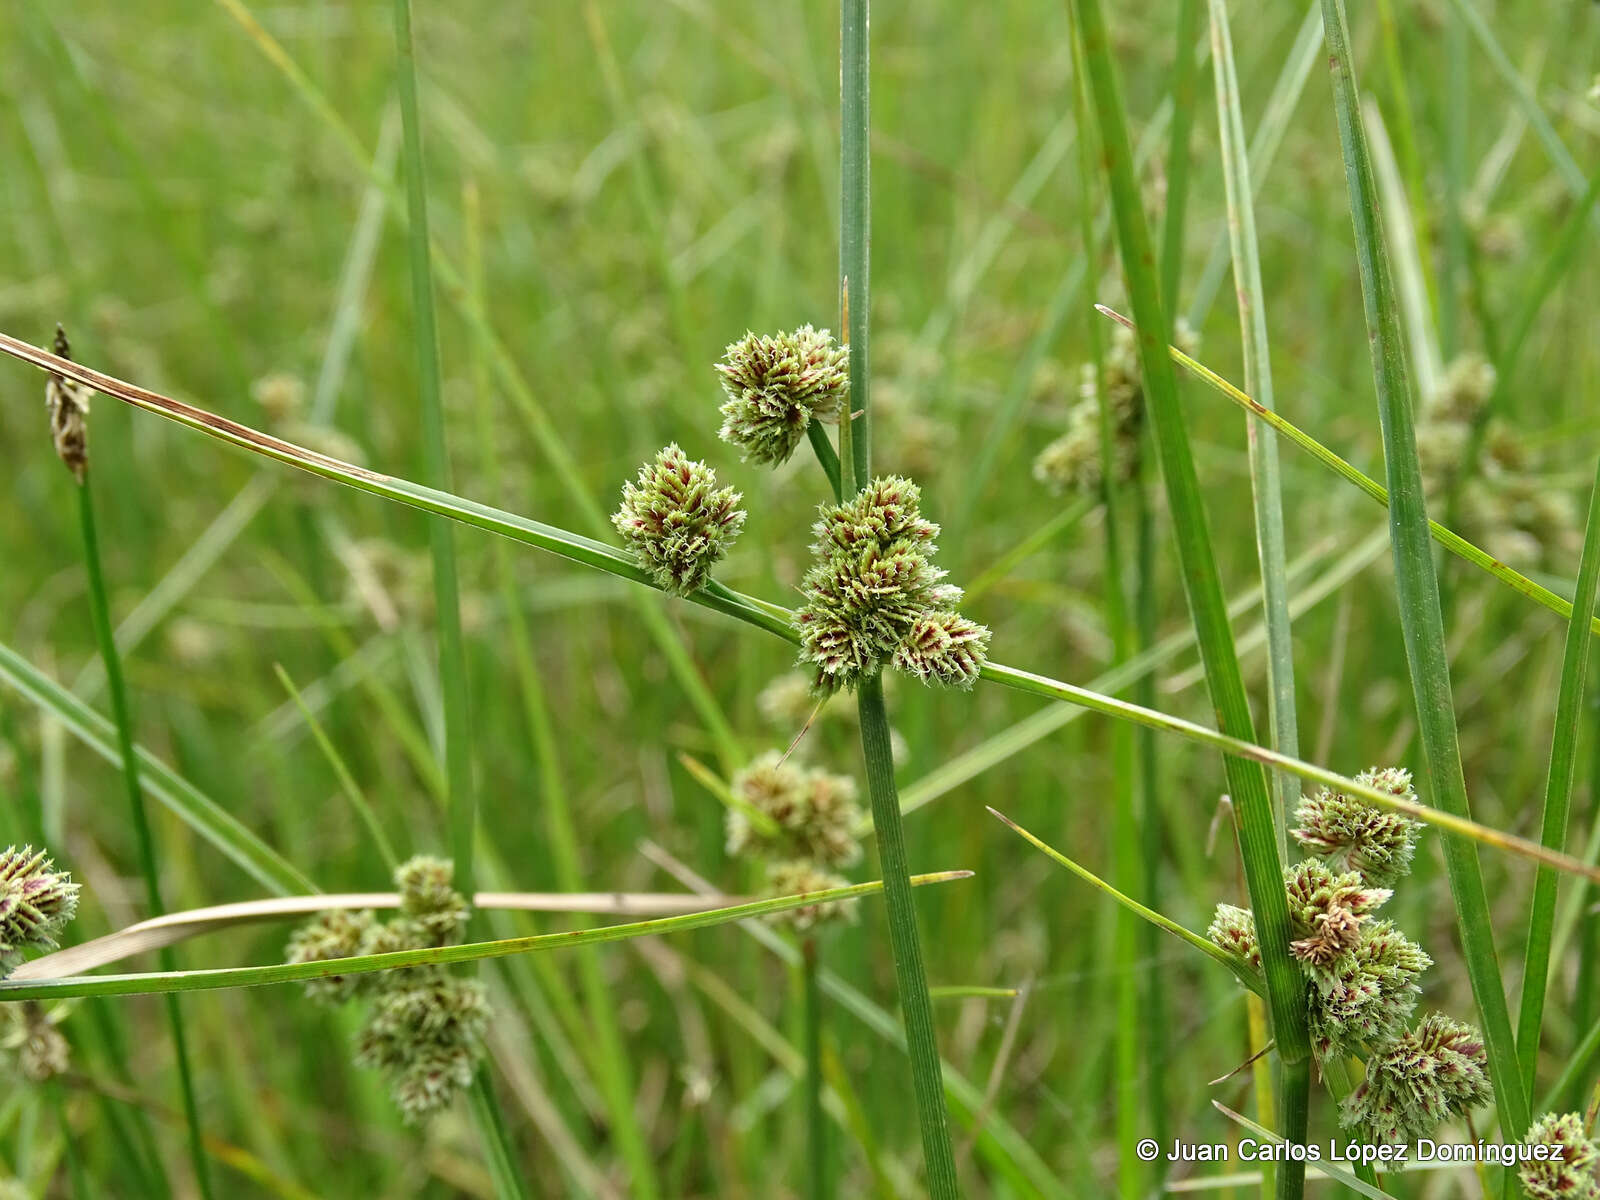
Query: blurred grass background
(654, 179)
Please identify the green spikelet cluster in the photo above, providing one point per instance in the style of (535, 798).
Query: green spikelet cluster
(1436, 1071)
(873, 585)
(790, 878)
(815, 811)
(1072, 463)
(1571, 1174)
(424, 1025)
(776, 386)
(36, 902)
(1350, 834)
(677, 522)
(1361, 973)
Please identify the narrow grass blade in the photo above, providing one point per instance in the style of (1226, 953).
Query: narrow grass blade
(1417, 585)
(1185, 69)
(201, 813)
(1463, 827)
(1247, 781)
(1202, 944)
(1284, 725)
(347, 783)
(575, 547)
(159, 982)
(1451, 541)
(1558, 793)
(1326, 1169)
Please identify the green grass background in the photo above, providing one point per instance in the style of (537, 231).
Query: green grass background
(172, 202)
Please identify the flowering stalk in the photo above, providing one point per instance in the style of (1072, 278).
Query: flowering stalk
(69, 409)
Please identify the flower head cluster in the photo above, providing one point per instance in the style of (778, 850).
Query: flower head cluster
(814, 810)
(677, 522)
(36, 902)
(1571, 1174)
(1436, 1071)
(1351, 834)
(1073, 461)
(1507, 507)
(790, 878)
(777, 385)
(1361, 972)
(873, 595)
(424, 1026)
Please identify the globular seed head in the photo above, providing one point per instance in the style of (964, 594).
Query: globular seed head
(776, 385)
(1352, 834)
(1436, 1071)
(337, 933)
(792, 878)
(1570, 1174)
(871, 585)
(36, 902)
(677, 522)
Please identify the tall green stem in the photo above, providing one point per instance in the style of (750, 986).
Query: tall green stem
(1417, 584)
(1247, 781)
(100, 612)
(446, 591)
(819, 1183)
(855, 452)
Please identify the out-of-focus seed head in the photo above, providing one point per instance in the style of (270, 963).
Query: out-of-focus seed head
(337, 933)
(426, 1037)
(36, 902)
(68, 402)
(41, 1051)
(677, 522)
(1351, 834)
(815, 812)
(792, 878)
(1463, 390)
(944, 648)
(428, 901)
(1570, 1175)
(282, 396)
(777, 385)
(1436, 1071)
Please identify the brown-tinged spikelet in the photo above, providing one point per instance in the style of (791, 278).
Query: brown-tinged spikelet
(337, 933)
(68, 402)
(1349, 833)
(36, 902)
(1436, 1071)
(1570, 1174)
